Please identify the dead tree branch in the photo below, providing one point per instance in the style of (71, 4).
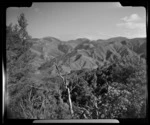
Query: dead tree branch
(66, 83)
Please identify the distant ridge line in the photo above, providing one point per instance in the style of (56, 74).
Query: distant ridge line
(119, 37)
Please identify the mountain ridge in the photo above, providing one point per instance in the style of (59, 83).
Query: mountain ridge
(84, 38)
(92, 53)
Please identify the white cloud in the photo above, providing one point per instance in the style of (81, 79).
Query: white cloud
(135, 33)
(134, 25)
(132, 22)
(132, 18)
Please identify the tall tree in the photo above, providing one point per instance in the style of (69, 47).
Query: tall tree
(22, 21)
(18, 58)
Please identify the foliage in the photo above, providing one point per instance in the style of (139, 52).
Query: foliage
(114, 90)
(111, 88)
(18, 57)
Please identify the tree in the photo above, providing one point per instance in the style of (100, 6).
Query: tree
(18, 58)
(115, 90)
(22, 21)
(66, 85)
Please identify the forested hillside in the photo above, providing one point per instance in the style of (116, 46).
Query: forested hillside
(77, 79)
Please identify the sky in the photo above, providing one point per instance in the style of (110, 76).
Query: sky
(72, 20)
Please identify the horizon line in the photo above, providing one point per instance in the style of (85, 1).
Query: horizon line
(86, 38)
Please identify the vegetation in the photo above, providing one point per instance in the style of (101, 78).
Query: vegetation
(115, 90)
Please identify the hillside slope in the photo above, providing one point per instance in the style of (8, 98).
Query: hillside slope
(83, 53)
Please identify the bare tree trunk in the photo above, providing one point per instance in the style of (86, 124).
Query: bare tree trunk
(68, 90)
(97, 114)
(70, 102)
(96, 108)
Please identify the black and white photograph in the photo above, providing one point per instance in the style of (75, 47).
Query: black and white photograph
(76, 60)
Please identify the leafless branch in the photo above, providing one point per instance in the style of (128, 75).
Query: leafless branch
(66, 85)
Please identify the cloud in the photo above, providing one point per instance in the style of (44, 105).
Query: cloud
(132, 22)
(132, 18)
(134, 25)
(135, 33)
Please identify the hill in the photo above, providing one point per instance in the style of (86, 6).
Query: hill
(91, 53)
(78, 79)
(79, 76)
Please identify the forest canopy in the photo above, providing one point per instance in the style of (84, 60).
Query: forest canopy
(39, 88)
